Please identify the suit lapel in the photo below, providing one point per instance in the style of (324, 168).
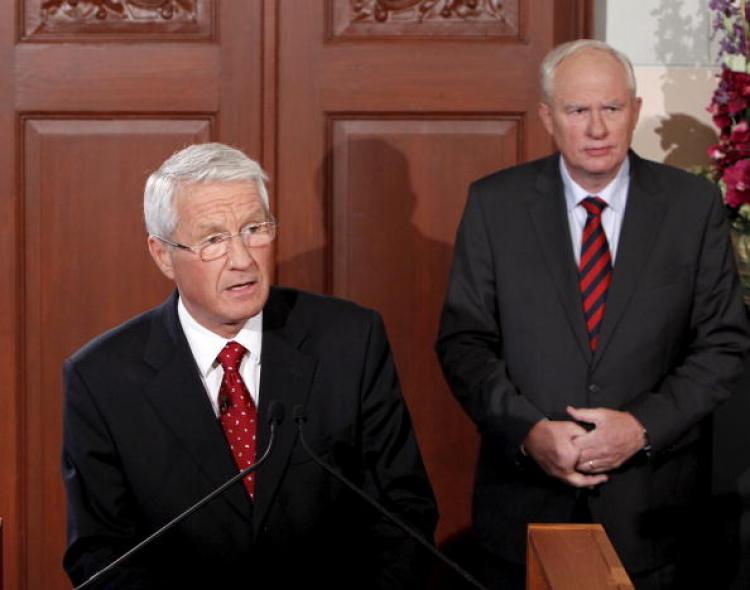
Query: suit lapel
(549, 218)
(286, 375)
(644, 212)
(178, 396)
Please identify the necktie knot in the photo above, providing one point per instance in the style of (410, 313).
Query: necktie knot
(594, 205)
(231, 355)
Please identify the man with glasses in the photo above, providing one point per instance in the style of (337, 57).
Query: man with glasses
(165, 408)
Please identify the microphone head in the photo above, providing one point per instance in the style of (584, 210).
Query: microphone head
(275, 412)
(299, 414)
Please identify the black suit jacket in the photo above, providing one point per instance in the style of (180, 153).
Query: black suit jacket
(141, 443)
(514, 348)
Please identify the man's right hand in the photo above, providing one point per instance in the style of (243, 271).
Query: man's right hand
(550, 444)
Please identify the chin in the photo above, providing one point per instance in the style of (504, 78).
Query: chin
(602, 167)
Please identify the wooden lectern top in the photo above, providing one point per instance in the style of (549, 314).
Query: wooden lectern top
(573, 557)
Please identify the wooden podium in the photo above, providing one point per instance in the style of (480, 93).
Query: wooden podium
(573, 557)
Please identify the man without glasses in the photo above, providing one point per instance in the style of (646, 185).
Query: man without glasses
(593, 322)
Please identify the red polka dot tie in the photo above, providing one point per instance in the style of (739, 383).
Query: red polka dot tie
(237, 411)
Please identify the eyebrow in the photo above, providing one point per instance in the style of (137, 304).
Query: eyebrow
(606, 103)
(212, 228)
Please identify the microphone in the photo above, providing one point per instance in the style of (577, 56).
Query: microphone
(275, 417)
(301, 418)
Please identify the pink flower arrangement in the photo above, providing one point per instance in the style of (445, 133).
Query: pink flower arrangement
(730, 108)
(736, 179)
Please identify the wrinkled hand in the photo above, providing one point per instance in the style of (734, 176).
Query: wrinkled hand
(552, 445)
(616, 437)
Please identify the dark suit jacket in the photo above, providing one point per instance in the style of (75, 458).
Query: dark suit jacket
(141, 443)
(514, 347)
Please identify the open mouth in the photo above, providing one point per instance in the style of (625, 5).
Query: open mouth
(240, 287)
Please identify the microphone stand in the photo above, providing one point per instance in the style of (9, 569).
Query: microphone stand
(300, 419)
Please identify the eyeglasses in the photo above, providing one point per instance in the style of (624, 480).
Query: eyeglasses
(217, 245)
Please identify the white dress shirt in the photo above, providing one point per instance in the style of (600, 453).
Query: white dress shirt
(206, 346)
(615, 194)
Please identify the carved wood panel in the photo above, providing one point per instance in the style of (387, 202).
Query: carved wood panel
(117, 19)
(86, 269)
(425, 19)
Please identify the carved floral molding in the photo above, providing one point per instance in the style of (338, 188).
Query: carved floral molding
(425, 10)
(116, 20)
(425, 18)
(82, 11)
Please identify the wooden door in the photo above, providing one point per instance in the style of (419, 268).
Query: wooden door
(387, 109)
(95, 95)
(371, 115)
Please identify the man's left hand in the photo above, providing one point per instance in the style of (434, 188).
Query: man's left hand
(616, 437)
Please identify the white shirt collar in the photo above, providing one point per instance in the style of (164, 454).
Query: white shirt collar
(206, 345)
(614, 194)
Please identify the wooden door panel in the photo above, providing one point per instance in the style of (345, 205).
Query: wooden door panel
(86, 270)
(395, 209)
(91, 78)
(97, 101)
(386, 112)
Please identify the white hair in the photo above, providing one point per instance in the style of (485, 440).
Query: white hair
(200, 163)
(555, 57)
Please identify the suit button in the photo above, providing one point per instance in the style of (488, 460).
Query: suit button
(594, 388)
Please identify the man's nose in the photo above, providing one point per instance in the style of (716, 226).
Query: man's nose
(597, 125)
(240, 255)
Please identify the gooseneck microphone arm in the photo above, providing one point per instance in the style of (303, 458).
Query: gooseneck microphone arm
(275, 417)
(300, 418)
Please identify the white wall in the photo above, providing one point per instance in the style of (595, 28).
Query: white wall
(670, 45)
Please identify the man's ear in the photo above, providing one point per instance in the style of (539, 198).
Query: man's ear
(637, 102)
(545, 114)
(162, 255)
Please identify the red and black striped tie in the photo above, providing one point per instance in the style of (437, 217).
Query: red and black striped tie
(595, 268)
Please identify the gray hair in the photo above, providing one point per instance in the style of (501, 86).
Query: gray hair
(200, 163)
(555, 57)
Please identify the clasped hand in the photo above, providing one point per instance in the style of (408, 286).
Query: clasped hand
(579, 457)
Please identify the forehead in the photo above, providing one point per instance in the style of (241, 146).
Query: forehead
(216, 202)
(590, 74)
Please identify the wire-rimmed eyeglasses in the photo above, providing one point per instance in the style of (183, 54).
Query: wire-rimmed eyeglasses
(215, 246)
